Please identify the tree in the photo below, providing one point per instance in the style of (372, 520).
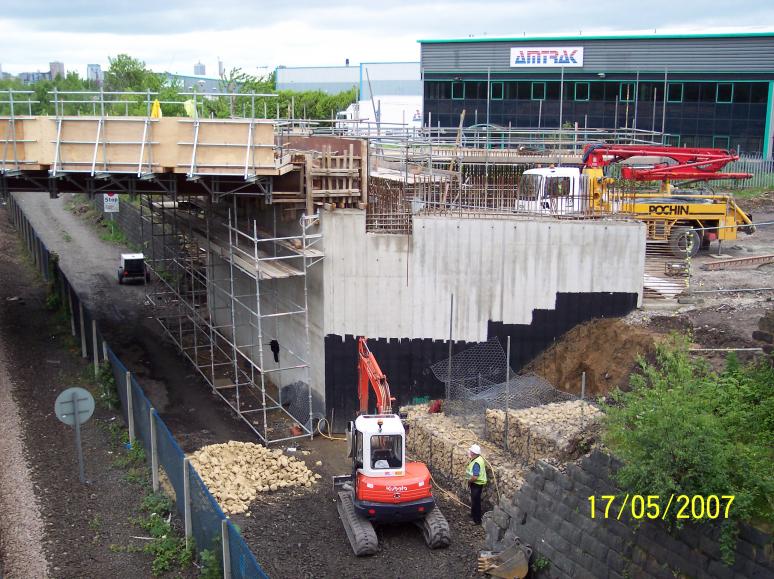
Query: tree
(684, 429)
(130, 74)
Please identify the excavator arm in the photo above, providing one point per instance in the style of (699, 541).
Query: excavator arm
(691, 163)
(369, 373)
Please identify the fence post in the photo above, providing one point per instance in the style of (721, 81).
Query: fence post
(104, 350)
(506, 433)
(72, 311)
(154, 453)
(129, 407)
(187, 500)
(95, 348)
(226, 549)
(84, 352)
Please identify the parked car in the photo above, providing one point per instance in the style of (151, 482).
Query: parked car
(133, 268)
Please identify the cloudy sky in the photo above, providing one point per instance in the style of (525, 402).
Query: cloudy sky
(172, 35)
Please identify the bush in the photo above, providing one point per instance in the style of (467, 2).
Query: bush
(685, 429)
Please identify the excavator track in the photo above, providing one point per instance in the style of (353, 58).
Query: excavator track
(435, 529)
(359, 530)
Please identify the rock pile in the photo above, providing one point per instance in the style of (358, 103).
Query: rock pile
(562, 431)
(235, 472)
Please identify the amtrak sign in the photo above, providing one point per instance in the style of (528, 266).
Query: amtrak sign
(547, 57)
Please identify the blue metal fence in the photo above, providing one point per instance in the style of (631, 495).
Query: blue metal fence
(206, 516)
(243, 563)
(171, 459)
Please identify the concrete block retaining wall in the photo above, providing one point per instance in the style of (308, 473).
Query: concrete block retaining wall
(550, 511)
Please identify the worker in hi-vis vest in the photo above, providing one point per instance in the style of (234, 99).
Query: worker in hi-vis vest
(476, 473)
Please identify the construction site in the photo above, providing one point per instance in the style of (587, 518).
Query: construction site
(457, 292)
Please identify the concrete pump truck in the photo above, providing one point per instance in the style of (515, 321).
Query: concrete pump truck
(688, 219)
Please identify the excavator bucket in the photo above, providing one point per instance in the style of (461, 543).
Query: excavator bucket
(513, 563)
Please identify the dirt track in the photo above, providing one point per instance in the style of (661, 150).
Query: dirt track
(292, 536)
(50, 511)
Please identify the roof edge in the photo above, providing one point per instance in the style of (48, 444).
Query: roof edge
(597, 37)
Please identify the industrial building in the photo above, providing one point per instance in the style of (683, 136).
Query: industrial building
(702, 90)
(370, 78)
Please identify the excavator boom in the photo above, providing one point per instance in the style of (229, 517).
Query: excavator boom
(370, 373)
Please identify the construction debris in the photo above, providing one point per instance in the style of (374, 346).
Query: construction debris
(562, 431)
(236, 472)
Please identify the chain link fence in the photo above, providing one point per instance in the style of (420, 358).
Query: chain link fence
(478, 379)
(205, 522)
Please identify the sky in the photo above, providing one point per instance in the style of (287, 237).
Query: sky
(172, 35)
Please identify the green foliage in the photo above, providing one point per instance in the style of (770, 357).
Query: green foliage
(540, 564)
(168, 549)
(108, 394)
(158, 503)
(112, 233)
(685, 429)
(128, 74)
(211, 563)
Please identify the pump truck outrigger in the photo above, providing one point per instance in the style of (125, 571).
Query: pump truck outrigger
(383, 487)
(688, 219)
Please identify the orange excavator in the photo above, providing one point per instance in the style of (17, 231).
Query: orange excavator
(383, 488)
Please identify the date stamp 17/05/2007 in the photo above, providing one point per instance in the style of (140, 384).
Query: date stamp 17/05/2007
(696, 507)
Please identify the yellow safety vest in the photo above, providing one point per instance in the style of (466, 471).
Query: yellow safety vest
(481, 480)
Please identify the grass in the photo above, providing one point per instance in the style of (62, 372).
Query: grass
(751, 193)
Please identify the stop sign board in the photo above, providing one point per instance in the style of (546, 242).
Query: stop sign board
(110, 202)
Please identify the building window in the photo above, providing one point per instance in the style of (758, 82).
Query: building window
(626, 92)
(538, 91)
(724, 92)
(675, 92)
(475, 90)
(721, 142)
(458, 91)
(581, 91)
(496, 91)
(673, 140)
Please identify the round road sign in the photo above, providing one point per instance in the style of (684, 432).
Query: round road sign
(71, 401)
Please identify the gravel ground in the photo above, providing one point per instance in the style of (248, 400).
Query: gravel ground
(21, 525)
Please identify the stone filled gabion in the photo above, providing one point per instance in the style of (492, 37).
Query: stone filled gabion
(562, 431)
(235, 472)
(442, 444)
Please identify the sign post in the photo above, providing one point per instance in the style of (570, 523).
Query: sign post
(74, 407)
(110, 204)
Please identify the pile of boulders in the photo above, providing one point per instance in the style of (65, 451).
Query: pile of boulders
(562, 431)
(235, 472)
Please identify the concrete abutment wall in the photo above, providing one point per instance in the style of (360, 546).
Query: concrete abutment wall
(528, 278)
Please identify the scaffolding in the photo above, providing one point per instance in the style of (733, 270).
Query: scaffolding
(222, 286)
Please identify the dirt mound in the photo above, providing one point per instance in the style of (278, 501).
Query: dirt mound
(606, 349)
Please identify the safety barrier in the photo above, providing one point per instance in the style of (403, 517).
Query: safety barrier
(205, 522)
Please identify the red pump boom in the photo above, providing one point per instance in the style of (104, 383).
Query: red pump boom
(700, 163)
